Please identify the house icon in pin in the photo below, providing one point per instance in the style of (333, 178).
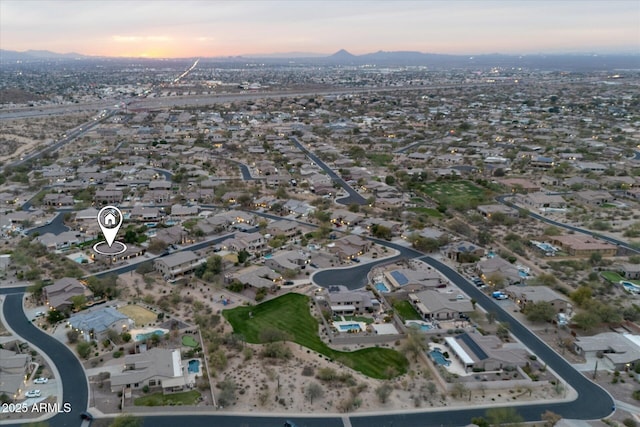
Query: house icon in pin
(110, 220)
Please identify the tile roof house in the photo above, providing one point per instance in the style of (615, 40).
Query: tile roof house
(488, 352)
(13, 367)
(524, 295)
(616, 351)
(96, 324)
(433, 305)
(346, 302)
(158, 367)
(59, 294)
(177, 264)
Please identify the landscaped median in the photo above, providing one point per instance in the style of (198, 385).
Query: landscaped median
(290, 314)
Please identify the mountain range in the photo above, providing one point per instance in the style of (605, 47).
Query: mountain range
(577, 61)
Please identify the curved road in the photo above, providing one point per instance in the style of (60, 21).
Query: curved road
(503, 199)
(592, 403)
(74, 382)
(353, 197)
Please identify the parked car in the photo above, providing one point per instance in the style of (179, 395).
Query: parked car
(33, 393)
(86, 416)
(41, 380)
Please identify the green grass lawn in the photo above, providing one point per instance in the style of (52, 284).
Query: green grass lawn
(159, 399)
(426, 211)
(406, 311)
(380, 159)
(614, 277)
(290, 313)
(456, 193)
(189, 341)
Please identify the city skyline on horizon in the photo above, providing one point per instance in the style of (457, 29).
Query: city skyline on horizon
(168, 29)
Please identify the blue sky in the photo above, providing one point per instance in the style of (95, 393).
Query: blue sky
(214, 28)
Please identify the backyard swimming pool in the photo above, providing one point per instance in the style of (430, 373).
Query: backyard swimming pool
(439, 358)
(349, 326)
(424, 326)
(381, 287)
(194, 366)
(144, 337)
(630, 287)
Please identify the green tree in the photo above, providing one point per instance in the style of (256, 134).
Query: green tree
(586, 320)
(84, 349)
(581, 296)
(78, 301)
(383, 392)
(541, 311)
(503, 416)
(314, 391)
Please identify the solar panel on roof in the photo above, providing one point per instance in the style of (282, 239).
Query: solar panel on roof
(400, 278)
(473, 346)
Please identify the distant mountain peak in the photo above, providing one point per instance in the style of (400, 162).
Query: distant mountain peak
(343, 54)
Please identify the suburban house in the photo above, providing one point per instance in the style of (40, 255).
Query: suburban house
(498, 266)
(524, 295)
(158, 367)
(594, 197)
(457, 251)
(520, 185)
(287, 260)
(144, 213)
(250, 242)
(59, 242)
(614, 350)
(95, 324)
(488, 352)
(174, 235)
(346, 302)
(488, 210)
(283, 228)
(432, 305)
(628, 270)
(103, 197)
(542, 201)
(59, 295)
(413, 279)
(256, 277)
(583, 245)
(13, 370)
(177, 264)
(349, 247)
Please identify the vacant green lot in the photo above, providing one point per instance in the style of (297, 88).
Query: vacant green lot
(290, 314)
(459, 195)
(406, 310)
(159, 399)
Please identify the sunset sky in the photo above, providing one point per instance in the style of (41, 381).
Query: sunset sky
(220, 28)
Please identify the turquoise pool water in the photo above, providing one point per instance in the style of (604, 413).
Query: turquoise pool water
(381, 287)
(439, 358)
(349, 327)
(144, 337)
(194, 366)
(422, 326)
(81, 259)
(634, 289)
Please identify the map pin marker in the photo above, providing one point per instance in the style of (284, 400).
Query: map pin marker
(110, 220)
